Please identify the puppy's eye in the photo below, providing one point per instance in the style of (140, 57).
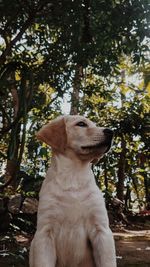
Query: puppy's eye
(81, 124)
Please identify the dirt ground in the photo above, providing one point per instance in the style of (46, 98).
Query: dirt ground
(132, 253)
(132, 249)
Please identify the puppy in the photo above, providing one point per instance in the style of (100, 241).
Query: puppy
(72, 226)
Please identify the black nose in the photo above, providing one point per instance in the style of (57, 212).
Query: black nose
(108, 132)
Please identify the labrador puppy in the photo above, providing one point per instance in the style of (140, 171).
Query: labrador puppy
(72, 226)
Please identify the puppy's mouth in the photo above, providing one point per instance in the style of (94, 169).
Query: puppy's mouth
(98, 146)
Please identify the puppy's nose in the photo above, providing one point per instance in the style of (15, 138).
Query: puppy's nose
(108, 132)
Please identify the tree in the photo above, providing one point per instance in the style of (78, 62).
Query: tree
(46, 43)
(124, 106)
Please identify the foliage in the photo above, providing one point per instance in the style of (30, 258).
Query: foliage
(45, 45)
(125, 107)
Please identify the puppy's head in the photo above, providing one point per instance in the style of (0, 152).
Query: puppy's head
(78, 135)
(86, 139)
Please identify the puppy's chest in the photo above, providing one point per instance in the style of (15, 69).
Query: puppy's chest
(72, 209)
(67, 216)
(71, 233)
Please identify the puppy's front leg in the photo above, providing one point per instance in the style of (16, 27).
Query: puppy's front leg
(103, 248)
(42, 251)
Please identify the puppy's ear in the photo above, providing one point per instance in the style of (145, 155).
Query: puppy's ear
(54, 134)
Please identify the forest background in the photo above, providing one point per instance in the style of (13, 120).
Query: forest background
(94, 57)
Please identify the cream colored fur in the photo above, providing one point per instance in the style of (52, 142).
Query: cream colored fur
(72, 227)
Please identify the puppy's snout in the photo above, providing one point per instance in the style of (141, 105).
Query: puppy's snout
(108, 132)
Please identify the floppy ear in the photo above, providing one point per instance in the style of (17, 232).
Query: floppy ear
(54, 134)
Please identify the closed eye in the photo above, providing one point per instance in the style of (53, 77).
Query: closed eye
(81, 124)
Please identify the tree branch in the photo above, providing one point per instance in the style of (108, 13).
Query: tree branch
(17, 38)
(32, 14)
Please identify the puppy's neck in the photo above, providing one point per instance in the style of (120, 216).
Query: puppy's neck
(71, 174)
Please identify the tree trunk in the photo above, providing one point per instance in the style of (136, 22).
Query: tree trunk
(75, 98)
(121, 170)
(12, 157)
(105, 175)
(16, 139)
(147, 190)
(143, 160)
